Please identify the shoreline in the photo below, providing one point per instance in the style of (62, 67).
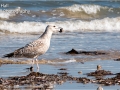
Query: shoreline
(109, 55)
(6, 61)
(36, 80)
(43, 81)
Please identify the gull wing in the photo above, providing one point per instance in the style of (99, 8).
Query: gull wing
(29, 50)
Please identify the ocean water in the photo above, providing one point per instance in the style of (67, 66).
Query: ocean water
(73, 16)
(88, 25)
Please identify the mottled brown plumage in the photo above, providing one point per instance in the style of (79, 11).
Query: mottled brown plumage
(37, 47)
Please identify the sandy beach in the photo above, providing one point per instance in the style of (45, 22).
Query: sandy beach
(63, 74)
(84, 56)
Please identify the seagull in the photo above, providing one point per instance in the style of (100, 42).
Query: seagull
(37, 47)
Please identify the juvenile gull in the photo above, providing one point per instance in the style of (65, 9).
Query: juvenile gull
(37, 47)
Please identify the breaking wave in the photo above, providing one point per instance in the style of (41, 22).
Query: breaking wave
(8, 13)
(89, 11)
(106, 24)
(84, 11)
(87, 8)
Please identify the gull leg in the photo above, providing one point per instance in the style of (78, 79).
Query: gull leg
(31, 68)
(37, 65)
(32, 62)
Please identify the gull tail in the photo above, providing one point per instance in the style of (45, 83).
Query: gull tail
(8, 55)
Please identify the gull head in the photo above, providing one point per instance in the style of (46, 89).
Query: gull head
(54, 28)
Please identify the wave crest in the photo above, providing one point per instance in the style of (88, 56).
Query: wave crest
(106, 24)
(6, 14)
(87, 8)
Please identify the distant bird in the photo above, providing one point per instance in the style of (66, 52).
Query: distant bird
(100, 88)
(37, 47)
(99, 67)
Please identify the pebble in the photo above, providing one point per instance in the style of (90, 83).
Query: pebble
(62, 69)
(80, 72)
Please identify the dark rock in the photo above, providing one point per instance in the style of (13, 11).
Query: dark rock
(63, 73)
(99, 73)
(110, 81)
(42, 81)
(62, 69)
(117, 59)
(80, 72)
(73, 51)
(1, 81)
(92, 53)
(82, 62)
(36, 74)
(30, 69)
(1, 88)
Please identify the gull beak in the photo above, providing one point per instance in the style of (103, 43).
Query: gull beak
(61, 30)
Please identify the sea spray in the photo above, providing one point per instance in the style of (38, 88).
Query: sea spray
(106, 24)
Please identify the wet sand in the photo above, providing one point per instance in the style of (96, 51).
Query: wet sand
(74, 65)
(36, 80)
(60, 75)
(7, 61)
(87, 56)
(63, 75)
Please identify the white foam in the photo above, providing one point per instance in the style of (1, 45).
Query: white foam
(22, 27)
(67, 61)
(106, 24)
(6, 14)
(87, 8)
(70, 61)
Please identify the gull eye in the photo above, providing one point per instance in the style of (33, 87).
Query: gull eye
(53, 26)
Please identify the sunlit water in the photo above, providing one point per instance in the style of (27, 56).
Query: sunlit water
(61, 43)
(88, 26)
(64, 42)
